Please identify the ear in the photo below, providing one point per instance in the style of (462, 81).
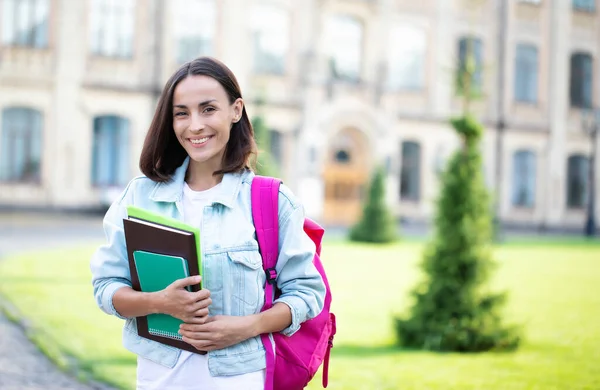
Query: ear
(238, 109)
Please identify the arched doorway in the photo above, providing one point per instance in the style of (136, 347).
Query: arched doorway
(346, 173)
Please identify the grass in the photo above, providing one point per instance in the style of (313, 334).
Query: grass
(554, 293)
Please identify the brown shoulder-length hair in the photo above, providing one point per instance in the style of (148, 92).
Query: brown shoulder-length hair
(162, 153)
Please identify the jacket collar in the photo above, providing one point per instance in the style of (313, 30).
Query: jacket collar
(172, 190)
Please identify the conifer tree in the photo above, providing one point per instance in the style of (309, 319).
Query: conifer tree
(377, 223)
(452, 309)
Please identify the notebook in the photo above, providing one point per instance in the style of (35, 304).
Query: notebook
(156, 272)
(166, 249)
(163, 221)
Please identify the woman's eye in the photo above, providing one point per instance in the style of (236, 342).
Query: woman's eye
(209, 109)
(179, 113)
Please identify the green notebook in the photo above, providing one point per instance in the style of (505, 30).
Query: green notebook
(156, 272)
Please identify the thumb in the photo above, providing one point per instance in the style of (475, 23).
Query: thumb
(189, 281)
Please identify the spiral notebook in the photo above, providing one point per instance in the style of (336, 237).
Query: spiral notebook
(155, 272)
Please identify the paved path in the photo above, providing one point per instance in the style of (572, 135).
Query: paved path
(22, 366)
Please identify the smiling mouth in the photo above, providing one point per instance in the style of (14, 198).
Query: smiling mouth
(199, 141)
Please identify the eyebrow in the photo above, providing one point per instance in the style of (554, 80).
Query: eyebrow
(204, 103)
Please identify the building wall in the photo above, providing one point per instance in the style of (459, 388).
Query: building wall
(71, 86)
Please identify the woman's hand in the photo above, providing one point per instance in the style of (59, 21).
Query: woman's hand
(190, 307)
(218, 332)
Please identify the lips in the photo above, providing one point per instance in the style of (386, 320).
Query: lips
(199, 141)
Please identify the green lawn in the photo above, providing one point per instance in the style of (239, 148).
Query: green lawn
(554, 292)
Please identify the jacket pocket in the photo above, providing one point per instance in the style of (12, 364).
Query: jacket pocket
(246, 276)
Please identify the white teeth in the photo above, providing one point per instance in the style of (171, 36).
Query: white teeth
(200, 141)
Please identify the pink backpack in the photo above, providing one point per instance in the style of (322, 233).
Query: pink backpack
(299, 356)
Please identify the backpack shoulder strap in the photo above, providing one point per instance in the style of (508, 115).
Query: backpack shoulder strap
(265, 213)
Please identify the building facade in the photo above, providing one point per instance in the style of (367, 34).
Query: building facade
(344, 86)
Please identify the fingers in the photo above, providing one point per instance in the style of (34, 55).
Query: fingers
(197, 308)
(199, 305)
(180, 284)
(189, 281)
(192, 329)
(200, 340)
(185, 305)
(200, 317)
(188, 309)
(194, 302)
(201, 313)
(197, 312)
(202, 294)
(200, 345)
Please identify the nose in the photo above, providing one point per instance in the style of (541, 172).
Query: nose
(196, 123)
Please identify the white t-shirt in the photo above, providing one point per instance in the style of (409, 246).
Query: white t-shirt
(191, 370)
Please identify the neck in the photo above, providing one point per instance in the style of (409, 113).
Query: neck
(199, 176)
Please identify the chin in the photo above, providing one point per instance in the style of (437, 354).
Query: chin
(201, 158)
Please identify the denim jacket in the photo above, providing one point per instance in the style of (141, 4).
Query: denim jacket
(232, 265)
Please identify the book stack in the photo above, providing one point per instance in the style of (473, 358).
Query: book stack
(160, 251)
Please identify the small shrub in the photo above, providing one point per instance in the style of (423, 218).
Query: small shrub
(451, 311)
(377, 223)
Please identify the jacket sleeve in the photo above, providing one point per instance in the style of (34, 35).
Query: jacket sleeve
(109, 264)
(301, 285)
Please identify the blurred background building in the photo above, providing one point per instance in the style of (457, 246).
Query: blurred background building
(344, 85)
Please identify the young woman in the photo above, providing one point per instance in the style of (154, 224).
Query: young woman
(195, 161)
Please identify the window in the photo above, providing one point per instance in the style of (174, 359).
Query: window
(526, 74)
(581, 80)
(523, 179)
(194, 24)
(344, 36)
(110, 154)
(343, 148)
(24, 22)
(21, 145)
(342, 156)
(584, 5)
(407, 58)
(112, 27)
(271, 39)
(410, 177)
(470, 58)
(577, 181)
(276, 141)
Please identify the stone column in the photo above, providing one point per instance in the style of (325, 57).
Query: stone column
(237, 44)
(70, 134)
(310, 139)
(560, 22)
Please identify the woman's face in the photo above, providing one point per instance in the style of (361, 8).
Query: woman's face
(202, 119)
